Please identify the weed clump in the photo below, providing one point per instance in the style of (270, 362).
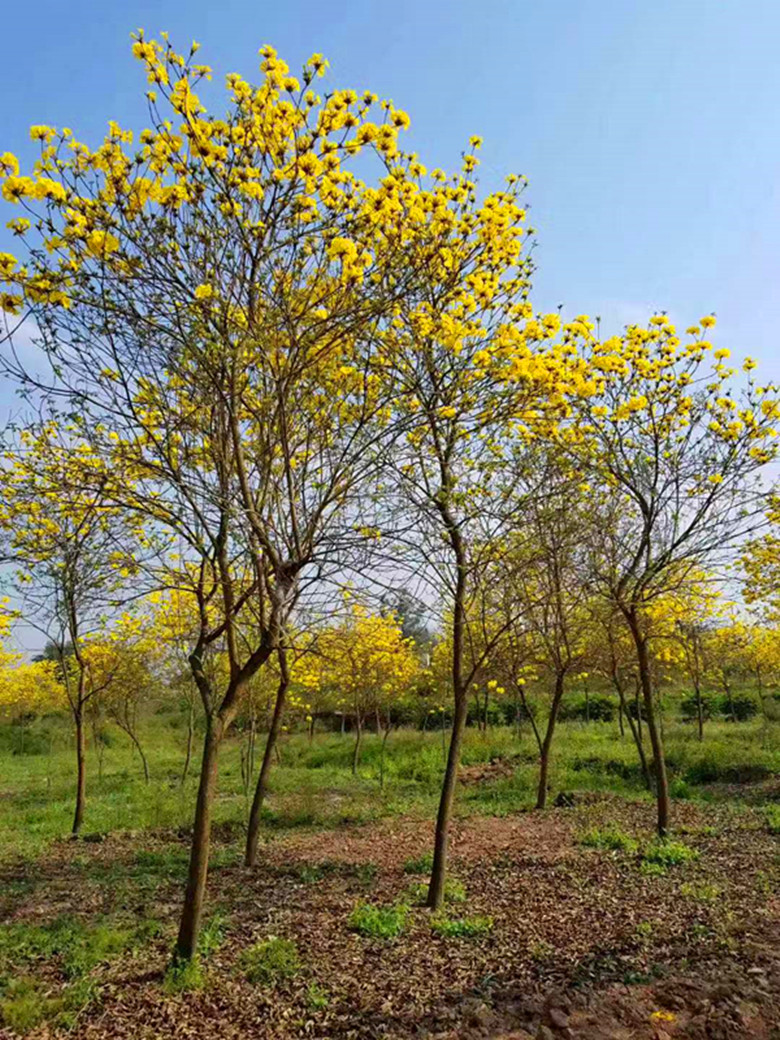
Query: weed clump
(379, 922)
(612, 839)
(461, 927)
(420, 864)
(664, 853)
(271, 961)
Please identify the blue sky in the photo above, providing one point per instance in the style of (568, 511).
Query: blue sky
(648, 130)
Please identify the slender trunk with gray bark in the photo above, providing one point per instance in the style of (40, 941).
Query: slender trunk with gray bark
(261, 789)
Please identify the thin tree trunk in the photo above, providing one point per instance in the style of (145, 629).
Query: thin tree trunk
(638, 705)
(460, 695)
(444, 815)
(544, 757)
(656, 741)
(385, 735)
(635, 733)
(358, 738)
(140, 750)
(261, 789)
(190, 731)
(529, 713)
(700, 710)
(81, 770)
(192, 912)
(620, 718)
(252, 743)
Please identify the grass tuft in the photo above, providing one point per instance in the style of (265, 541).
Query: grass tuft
(612, 838)
(271, 961)
(461, 927)
(378, 922)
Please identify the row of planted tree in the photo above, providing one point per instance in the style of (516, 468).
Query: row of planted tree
(364, 670)
(264, 356)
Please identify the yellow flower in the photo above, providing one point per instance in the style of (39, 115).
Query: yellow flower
(18, 225)
(102, 243)
(708, 321)
(663, 1016)
(9, 164)
(204, 292)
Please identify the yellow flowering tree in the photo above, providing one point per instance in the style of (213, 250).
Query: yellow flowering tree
(215, 299)
(673, 445)
(365, 665)
(476, 369)
(124, 664)
(67, 544)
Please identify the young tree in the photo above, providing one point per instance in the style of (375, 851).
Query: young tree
(66, 541)
(124, 664)
(214, 306)
(548, 583)
(475, 369)
(674, 449)
(366, 662)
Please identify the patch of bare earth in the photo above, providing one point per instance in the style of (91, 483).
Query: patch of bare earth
(584, 944)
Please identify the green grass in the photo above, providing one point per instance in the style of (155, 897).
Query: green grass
(612, 838)
(378, 922)
(420, 864)
(26, 1002)
(317, 997)
(313, 787)
(663, 853)
(454, 892)
(772, 813)
(270, 961)
(704, 892)
(184, 977)
(75, 949)
(461, 927)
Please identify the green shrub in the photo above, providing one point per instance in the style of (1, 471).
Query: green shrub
(611, 838)
(379, 922)
(597, 709)
(710, 770)
(271, 961)
(461, 927)
(679, 788)
(739, 708)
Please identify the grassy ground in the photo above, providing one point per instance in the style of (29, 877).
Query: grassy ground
(328, 938)
(314, 785)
